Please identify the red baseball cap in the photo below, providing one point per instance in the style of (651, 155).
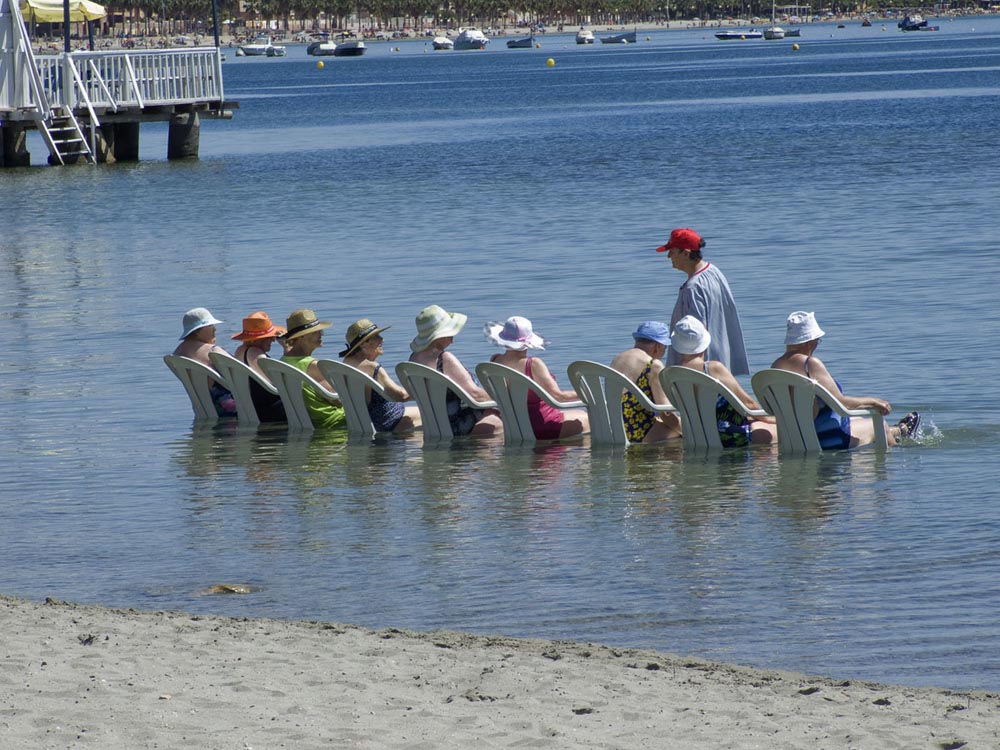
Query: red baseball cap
(682, 239)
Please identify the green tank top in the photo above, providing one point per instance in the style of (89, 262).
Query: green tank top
(322, 413)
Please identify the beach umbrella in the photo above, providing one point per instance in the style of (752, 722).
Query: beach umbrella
(53, 11)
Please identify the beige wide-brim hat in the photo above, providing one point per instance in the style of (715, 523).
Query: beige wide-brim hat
(433, 323)
(690, 336)
(802, 327)
(302, 322)
(358, 333)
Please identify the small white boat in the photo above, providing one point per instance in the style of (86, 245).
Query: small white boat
(442, 42)
(261, 46)
(739, 34)
(585, 36)
(774, 32)
(321, 49)
(471, 38)
(627, 38)
(349, 48)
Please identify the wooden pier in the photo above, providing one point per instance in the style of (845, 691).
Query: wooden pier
(88, 106)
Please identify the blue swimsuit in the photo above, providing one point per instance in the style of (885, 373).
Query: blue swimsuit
(385, 414)
(833, 430)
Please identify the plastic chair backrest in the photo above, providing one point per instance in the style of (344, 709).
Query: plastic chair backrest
(509, 388)
(238, 376)
(429, 388)
(352, 386)
(695, 395)
(600, 387)
(790, 397)
(289, 381)
(196, 378)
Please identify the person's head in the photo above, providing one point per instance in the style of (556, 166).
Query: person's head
(435, 325)
(199, 324)
(653, 337)
(365, 337)
(305, 331)
(802, 332)
(514, 334)
(259, 331)
(690, 337)
(683, 248)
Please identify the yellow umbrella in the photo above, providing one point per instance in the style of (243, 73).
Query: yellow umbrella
(51, 11)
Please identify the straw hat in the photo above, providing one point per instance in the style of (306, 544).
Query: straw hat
(802, 327)
(690, 336)
(516, 333)
(258, 326)
(302, 322)
(196, 318)
(433, 323)
(653, 330)
(359, 332)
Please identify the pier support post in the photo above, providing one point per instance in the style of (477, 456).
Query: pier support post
(14, 150)
(104, 144)
(183, 135)
(125, 142)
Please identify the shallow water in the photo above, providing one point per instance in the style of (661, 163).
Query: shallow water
(856, 177)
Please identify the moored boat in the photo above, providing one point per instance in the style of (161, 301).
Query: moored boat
(471, 38)
(730, 34)
(261, 46)
(585, 36)
(349, 48)
(628, 38)
(524, 43)
(442, 42)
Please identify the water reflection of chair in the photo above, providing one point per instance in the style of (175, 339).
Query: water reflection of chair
(790, 398)
(238, 377)
(352, 386)
(510, 388)
(600, 387)
(429, 388)
(196, 379)
(695, 395)
(290, 381)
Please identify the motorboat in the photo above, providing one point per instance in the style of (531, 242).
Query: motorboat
(321, 49)
(442, 42)
(585, 36)
(471, 38)
(524, 43)
(627, 38)
(261, 46)
(793, 32)
(916, 22)
(349, 48)
(729, 34)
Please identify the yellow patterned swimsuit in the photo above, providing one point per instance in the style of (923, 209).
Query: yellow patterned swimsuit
(637, 418)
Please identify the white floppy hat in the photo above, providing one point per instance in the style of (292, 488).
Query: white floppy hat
(516, 333)
(802, 327)
(434, 322)
(690, 336)
(196, 318)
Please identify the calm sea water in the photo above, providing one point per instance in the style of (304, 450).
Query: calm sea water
(856, 177)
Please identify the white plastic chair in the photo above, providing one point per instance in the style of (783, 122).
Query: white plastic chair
(238, 376)
(789, 397)
(352, 386)
(196, 378)
(600, 387)
(695, 395)
(429, 388)
(509, 388)
(289, 381)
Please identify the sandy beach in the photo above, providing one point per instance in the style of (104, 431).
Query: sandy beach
(75, 676)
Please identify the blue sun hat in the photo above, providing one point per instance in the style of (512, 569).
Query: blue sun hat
(196, 318)
(653, 330)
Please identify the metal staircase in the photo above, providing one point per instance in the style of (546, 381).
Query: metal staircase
(65, 138)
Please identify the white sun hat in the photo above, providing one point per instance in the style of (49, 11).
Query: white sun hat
(690, 336)
(433, 323)
(196, 318)
(802, 327)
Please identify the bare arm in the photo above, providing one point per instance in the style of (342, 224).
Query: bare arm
(721, 373)
(822, 376)
(541, 375)
(393, 390)
(453, 369)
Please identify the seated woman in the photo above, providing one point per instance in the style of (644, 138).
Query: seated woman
(802, 336)
(436, 330)
(642, 365)
(690, 340)
(547, 422)
(257, 337)
(304, 336)
(197, 340)
(364, 346)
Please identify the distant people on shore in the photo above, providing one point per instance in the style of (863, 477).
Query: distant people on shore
(690, 341)
(642, 364)
(197, 340)
(516, 336)
(436, 330)
(303, 337)
(706, 296)
(802, 337)
(364, 347)
(256, 339)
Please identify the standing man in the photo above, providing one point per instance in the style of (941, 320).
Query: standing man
(706, 296)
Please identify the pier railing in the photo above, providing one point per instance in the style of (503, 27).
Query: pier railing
(131, 79)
